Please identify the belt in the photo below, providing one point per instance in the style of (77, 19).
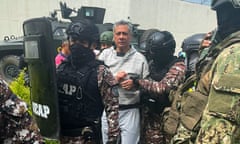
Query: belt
(129, 106)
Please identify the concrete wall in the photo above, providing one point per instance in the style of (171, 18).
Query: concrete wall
(181, 18)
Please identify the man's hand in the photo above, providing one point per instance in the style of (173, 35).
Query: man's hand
(127, 84)
(124, 80)
(121, 76)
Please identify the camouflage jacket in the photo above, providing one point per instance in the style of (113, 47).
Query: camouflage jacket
(107, 85)
(220, 83)
(172, 79)
(16, 124)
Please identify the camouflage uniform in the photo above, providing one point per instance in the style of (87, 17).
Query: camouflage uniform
(211, 100)
(106, 83)
(221, 118)
(181, 121)
(152, 125)
(166, 73)
(209, 113)
(189, 100)
(16, 124)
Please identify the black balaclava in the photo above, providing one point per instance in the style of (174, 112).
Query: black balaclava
(80, 55)
(161, 56)
(228, 20)
(161, 46)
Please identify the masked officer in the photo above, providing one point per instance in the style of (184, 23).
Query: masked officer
(163, 64)
(166, 73)
(209, 113)
(219, 78)
(16, 124)
(85, 88)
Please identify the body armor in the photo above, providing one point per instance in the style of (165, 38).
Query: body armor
(79, 99)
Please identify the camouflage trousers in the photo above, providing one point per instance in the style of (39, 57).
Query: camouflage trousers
(151, 131)
(215, 130)
(183, 136)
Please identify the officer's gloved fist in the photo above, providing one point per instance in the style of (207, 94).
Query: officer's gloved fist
(135, 80)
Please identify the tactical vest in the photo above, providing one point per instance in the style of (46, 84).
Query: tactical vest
(189, 104)
(80, 101)
(155, 103)
(189, 100)
(171, 118)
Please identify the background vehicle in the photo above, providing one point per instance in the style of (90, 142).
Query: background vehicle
(11, 48)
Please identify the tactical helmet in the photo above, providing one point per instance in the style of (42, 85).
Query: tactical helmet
(161, 40)
(106, 37)
(218, 3)
(192, 43)
(143, 41)
(83, 30)
(142, 48)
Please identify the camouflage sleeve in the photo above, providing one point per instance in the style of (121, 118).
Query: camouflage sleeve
(109, 92)
(221, 119)
(17, 126)
(224, 95)
(172, 79)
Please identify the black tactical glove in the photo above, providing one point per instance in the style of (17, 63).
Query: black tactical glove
(135, 80)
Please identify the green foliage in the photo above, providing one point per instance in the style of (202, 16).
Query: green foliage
(20, 89)
(23, 91)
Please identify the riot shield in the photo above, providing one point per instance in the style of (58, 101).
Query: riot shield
(39, 52)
